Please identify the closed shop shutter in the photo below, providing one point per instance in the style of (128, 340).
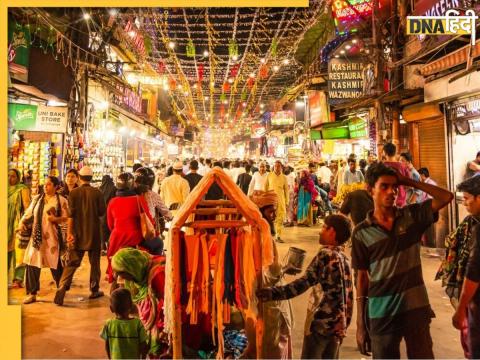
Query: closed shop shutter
(433, 156)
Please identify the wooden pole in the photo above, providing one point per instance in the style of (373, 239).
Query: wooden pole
(176, 310)
(212, 224)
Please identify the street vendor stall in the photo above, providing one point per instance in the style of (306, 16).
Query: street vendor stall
(192, 259)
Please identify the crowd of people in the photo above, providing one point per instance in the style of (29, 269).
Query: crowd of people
(391, 205)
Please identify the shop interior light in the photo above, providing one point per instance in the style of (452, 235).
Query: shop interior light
(354, 41)
(205, 53)
(166, 88)
(286, 61)
(113, 12)
(206, 98)
(230, 80)
(262, 106)
(252, 75)
(131, 33)
(86, 16)
(122, 130)
(337, 56)
(276, 68)
(171, 45)
(342, 52)
(132, 133)
(299, 103)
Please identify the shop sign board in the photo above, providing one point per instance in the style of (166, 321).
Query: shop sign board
(18, 47)
(129, 99)
(258, 131)
(51, 119)
(337, 130)
(318, 108)
(358, 128)
(438, 7)
(283, 118)
(345, 79)
(350, 15)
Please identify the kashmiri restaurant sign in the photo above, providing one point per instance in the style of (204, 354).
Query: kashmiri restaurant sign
(345, 79)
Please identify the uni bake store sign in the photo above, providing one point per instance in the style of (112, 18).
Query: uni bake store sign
(452, 23)
(345, 79)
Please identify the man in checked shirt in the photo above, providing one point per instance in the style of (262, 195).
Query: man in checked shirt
(331, 301)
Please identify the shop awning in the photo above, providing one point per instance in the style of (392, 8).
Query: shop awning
(335, 130)
(455, 58)
(37, 93)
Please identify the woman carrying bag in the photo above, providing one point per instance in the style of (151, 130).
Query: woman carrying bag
(44, 249)
(125, 215)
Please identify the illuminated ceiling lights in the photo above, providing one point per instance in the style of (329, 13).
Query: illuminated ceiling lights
(354, 41)
(348, 47)
(342, 52)
(131, 33)
(263, 61)
(252, 75)
(113, 12)
(276, 68)
(235, 57)
(286, 61)
(171, 45)
(86, 16)
(205, 53)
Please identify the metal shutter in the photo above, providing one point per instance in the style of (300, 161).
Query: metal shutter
(431, 138)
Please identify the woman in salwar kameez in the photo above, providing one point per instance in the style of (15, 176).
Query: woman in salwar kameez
(44, 249)
(306, 194)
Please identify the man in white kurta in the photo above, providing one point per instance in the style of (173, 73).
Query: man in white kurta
(258, 179)
(278, 182)
(175, 188)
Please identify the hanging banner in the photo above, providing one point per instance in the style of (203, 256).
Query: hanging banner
(318, 109)
(345, 79)
(18, 48)
(37, 118)
(283, 118)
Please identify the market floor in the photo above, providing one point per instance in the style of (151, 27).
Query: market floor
(72, 331)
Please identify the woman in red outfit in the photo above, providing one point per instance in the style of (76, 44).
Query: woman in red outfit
(123, 219)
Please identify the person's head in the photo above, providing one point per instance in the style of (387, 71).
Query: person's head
(51, 185)
(136, 166)
(86, 174)
(202, 160)
(217, 163)
(236, 164)
(121, 302)
(362, 163)
(382, 184)
(352, 156)
(389, 149)
(262, 167)
(406, 158)
(208, 162)
(144, 178)
(14, 177)
(193, 165)
(321, 163)
(71, 178)
(131, 264)
(352, 164)
(471, 194)
(267, 202)
(178, 168)
(371, 158)
(248, 168)
(424, 173)
(226, 164)
(312, 167)
(304, 174)
(336, 230)
(477, 159)
(170, 171)
(286, 170)
(124, 181)
(277, 167)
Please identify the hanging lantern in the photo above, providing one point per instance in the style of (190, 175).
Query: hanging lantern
(226, 87)
(263, 71)
(243, 97)
(234, 70)
(223, 97)
(274, 47)
(190, 49)
(161, 67)
(232, 48)
(200, 72)
(250, 83)
(172, 83)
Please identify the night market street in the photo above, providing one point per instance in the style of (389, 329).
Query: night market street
(47, 327)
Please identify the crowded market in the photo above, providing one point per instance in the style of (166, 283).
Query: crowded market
(217, 163)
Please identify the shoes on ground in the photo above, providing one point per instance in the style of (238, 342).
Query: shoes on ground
(30, 299)
(96, 294)
(60, 296)
(279, 240)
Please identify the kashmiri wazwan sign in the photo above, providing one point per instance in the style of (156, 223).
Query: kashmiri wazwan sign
(450, 24)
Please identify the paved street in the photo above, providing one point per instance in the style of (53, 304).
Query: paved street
(72, 331)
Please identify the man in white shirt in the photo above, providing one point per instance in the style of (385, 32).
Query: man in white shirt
(324, 174)
(237, 170)
(174, 188)
(226, 168)
(352, 175)
(258, 179)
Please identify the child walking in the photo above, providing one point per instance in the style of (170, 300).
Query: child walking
(331, 302)
(125, 336)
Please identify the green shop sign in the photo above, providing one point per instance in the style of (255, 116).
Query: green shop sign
(22, 116)
(19, 44)
(357, 127)
(336, 130)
